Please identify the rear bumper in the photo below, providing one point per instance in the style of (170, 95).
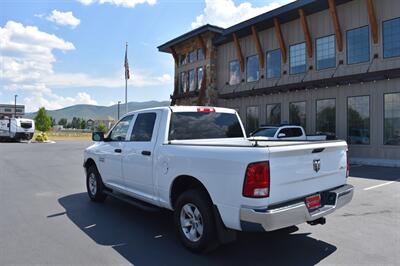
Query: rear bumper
(294, 213)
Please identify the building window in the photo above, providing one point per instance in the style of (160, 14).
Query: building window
(183, 83)
(182, 59)
(199, 77)
(297, 114)
(273, 114)
(199, 54)
(298, 58)
(252, 118)
(391, 38)
(192, 86)
(392, 119)
(191, 56)
(252, 68)
(326, 52)
(358, 45)
(7, 110)
(358, 127)
(274, 64)
(326, 118)
(234, 72)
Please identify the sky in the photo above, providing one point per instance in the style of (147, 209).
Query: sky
(57, 53)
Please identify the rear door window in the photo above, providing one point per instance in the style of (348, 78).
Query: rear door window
(204, 125)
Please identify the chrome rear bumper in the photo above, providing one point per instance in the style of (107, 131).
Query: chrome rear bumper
(294, 213)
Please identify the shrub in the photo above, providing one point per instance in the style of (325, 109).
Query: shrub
(41, 137)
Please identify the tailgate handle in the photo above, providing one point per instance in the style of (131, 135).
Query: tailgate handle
(318, 150)
(118, 150)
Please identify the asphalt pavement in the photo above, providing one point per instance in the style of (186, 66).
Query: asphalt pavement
(47, 218)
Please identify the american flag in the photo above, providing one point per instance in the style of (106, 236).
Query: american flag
(126, 63)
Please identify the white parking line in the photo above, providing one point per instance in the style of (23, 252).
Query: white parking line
(380, 185)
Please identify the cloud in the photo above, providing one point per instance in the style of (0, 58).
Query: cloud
(225, 13)
(122, 3)
(63, 18)
(26, 64)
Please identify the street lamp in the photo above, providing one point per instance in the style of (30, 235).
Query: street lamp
(15, 105)
(119, 102)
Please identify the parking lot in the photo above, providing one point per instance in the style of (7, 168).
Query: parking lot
(47, 218)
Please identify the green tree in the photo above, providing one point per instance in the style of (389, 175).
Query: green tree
(42, 120)
(63, 122)
(101, 128)
(83, 123)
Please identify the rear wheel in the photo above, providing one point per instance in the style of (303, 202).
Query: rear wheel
(94, 185)
(194, 221)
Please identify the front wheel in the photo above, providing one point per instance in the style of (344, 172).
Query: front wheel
(194, 221)
(94, 185)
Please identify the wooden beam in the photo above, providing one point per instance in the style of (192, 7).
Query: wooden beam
(336, 24)
(306, 31)
(175, 55)
(176, 85)
(258, 45)
(202, 91)
(238, 51)
(372, 20)
(279, 36)
(201, 43)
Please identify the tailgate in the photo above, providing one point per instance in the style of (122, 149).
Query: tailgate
(303, 169)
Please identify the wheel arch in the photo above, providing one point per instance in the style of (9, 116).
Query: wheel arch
(183, 183)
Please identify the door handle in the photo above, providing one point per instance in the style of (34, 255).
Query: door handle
(118, 150)
(146, 153)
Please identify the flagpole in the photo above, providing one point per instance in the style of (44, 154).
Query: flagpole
(126, 83)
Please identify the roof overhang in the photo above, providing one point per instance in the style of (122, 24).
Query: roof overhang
(285, 14)
(166, 47)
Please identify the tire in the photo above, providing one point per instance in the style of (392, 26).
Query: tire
(94, 185)
(194, 221)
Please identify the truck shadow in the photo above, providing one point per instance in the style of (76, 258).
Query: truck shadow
(148, 238)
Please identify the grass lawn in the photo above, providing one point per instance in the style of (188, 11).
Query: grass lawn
(57, 135)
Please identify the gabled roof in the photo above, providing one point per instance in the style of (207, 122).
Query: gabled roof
(166, 46)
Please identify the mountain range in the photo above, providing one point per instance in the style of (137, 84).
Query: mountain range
(96, 112)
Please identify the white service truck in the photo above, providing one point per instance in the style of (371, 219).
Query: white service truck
(16, 129)
(284, 132)
(197, 162)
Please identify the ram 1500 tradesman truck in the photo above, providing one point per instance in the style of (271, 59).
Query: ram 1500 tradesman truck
(197, 162)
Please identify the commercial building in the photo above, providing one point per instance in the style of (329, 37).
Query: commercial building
(10, 110)
(331, 66)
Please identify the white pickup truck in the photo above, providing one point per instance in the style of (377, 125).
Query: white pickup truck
(285, 132)
(197, 162)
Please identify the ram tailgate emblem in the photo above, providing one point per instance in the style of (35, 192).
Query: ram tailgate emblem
(317, 165)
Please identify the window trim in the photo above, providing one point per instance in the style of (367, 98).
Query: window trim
(229, 72)
(369, 46)
(266, 64)
(305, 54)
(347, 118)
(316, 112)
(259, 69)
(383, 40)
(315, 52)
(383, 120)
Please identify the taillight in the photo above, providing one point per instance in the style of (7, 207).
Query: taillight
(257, 180)
(348, 164)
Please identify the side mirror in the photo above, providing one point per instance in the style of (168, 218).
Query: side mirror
(281, 135)
(98, 136)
